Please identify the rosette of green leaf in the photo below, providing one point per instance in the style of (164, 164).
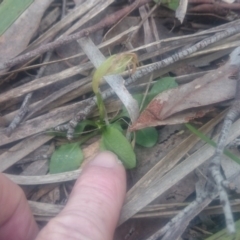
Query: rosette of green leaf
(113, 140)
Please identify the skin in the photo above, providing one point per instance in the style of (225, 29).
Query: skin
(91, 213)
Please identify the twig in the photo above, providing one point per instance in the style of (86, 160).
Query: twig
(25, 105)
(20, 115)
(183, 53)
(172, 230)
(106, 22)
(80, 116)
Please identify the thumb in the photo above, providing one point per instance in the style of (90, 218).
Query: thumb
(94, 205)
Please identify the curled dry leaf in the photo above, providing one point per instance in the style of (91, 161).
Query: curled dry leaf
(147, 119)
(214, 87)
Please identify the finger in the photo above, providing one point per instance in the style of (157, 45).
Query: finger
(16, 220)
(94, 205)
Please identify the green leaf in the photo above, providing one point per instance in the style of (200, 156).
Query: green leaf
(224, 234)
(211, 142)
(10, 10)
(161, 85)
(66, 158)
(138, 97)
(118, 126)
(172, 4)
(113, 140)
(113, 65)
(81, 126)
(102, 147)
(147, 137)
(124, 112)
(100, 72)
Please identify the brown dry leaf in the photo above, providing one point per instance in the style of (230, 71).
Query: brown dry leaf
(42, 191)
(52, 197)
(147, 119)
(17, 37)
(214, 87)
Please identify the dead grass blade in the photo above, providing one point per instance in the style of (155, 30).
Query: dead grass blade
(46, 179)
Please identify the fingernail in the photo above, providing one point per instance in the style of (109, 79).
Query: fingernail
(105, 159)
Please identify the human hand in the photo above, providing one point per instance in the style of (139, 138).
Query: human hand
(91, 212)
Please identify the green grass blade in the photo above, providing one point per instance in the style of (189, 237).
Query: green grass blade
(10, 10)
(224, 234)
(211, 142)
